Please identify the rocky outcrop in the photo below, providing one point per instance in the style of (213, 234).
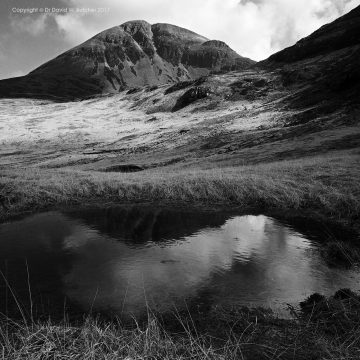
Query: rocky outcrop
(131, 55)
(190, 96)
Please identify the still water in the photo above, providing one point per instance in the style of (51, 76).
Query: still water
(118, 261)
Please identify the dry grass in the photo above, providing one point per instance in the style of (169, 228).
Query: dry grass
(326, 185)
(96, 340)
(324, 329)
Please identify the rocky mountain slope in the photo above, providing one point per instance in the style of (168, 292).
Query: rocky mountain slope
(133, 54)
(295, 104)
(341, 33)
(323, 67)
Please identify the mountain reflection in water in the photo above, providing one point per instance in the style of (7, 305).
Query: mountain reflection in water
(120, 261)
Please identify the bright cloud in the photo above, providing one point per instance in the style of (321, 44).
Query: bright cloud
(254, 28)
(30, 24)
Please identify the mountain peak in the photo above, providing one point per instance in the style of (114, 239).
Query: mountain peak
(135, 26)
(179, 32)
(133, 54)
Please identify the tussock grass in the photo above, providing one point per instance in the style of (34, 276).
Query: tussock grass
(324, 329)
(326, 185)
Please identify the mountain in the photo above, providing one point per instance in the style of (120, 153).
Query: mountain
(324, 66)
(133, 54)
(301, 102)
(341, 33)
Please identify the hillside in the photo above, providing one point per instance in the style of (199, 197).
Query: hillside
(323, 68)
(261, 114)
(339, 34)
(133, 54)
(273, 112)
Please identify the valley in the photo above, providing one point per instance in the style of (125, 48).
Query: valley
(150, 154)
(135, 147)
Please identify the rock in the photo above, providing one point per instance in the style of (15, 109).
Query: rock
(154, 118)
(183, 131)
(184, 84)
(125, 168)
(133, 91)
(178, 86)
(193, 94)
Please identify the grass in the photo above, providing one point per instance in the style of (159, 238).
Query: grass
(326, 185)
(340, 253)
(324, 328)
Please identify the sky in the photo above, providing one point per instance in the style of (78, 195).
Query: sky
(35, 31)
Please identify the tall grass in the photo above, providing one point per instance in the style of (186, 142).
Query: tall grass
(326, 328)
(326, 185)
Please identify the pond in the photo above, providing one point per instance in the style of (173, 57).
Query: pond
(121, 261)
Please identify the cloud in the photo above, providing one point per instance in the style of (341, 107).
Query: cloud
(16, 73)
(254, 28)
(34, 25)
(4, 42)
(67, 24)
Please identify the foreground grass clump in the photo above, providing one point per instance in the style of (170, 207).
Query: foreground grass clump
(326, 328)
(327, 185)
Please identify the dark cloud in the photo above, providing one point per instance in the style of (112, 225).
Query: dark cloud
(27, 40)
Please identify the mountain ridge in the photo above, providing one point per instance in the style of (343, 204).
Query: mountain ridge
(336, 35)
(133, 54)
(137, 54)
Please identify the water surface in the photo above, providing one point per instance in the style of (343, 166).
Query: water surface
(118, 261)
